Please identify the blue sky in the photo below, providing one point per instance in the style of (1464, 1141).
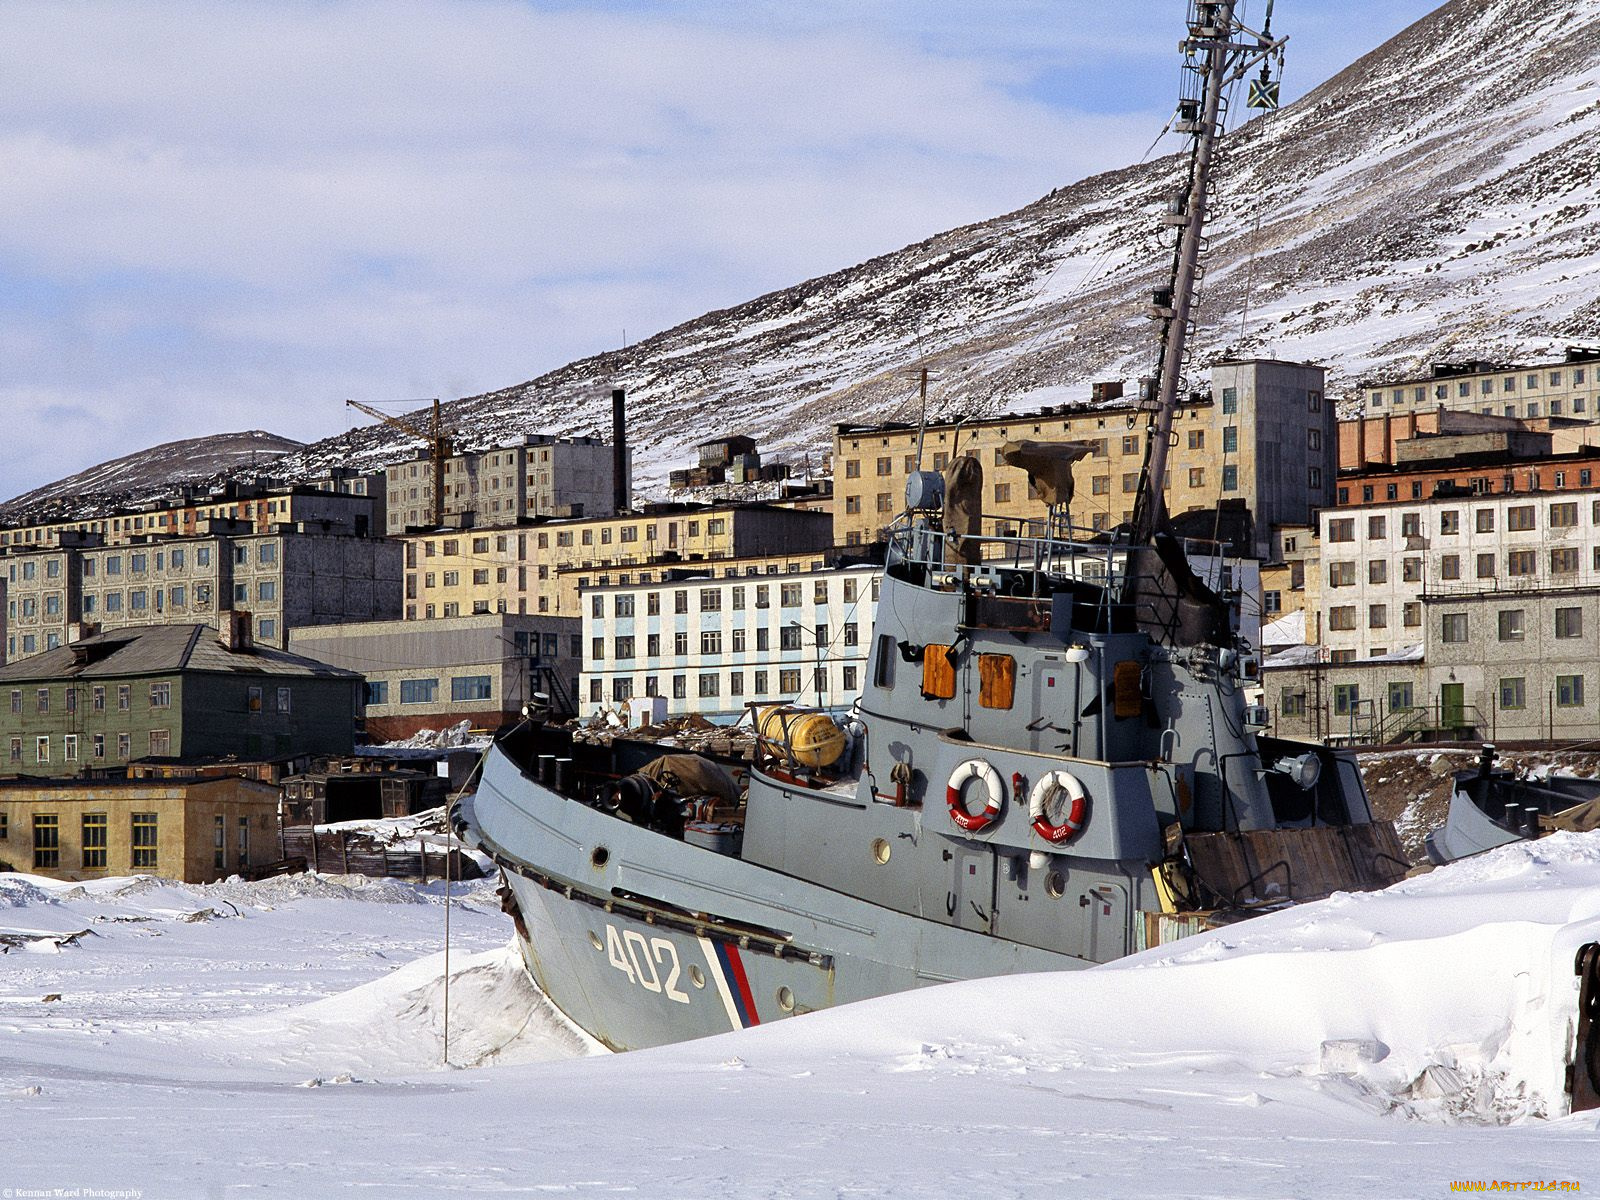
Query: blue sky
(231, 216)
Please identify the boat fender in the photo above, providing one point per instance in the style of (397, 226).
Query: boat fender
(1076, 816)
(974, 768)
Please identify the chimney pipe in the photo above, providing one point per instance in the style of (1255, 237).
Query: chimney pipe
(620, 488)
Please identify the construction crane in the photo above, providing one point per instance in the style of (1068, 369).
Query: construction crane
(435, 438)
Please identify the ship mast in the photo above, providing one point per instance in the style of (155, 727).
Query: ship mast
(1215, 55)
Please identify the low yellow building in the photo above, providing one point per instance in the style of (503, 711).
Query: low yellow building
(196, 830)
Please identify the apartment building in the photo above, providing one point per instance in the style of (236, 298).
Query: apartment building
(481, 669)
(1262, 438)
(711, 644)
(291, 576)
(337, 502)
(177, 690)
(540, 476)
(1568, 388)
(540, 568)
(1383, 561)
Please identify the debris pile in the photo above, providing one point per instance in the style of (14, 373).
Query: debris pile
(689, 732)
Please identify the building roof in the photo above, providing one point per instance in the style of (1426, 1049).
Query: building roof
(163, 650)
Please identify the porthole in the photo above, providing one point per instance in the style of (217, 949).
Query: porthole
(594, 940)
(786, 999)
(1056, 884)
(697, 976)
(880, 851)
(599, 857)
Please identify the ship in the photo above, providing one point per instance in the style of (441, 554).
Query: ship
(1492, 807)
(1055, 760)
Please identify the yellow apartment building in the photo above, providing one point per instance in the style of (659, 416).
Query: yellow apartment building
(538, 568)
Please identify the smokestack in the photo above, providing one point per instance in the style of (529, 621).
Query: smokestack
(619, 451)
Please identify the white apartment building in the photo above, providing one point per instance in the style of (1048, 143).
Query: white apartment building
(711, 645)
(1381, 562)
(1570, 389)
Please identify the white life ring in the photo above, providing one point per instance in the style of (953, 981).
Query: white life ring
(1044, 792)
(974, 768)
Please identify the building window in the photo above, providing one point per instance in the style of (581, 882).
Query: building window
(1513, 626)
(1411, 569)
(1485, 566)
(708, 684)
(46, 841)
(418, 691)
(41, 749)
(16, 749)
(1230, 400)
(1342, 617)
(1513, 692)
(1342, 530)
(1341, 574)
(1569, 691)
(1292, 703)
(160, 742)
(69, 748)
(377, 691)
(42, 700)
(470, 687)
(1520, 517)
(1569, 622)
(144, 839)
(160, 695)
(1346, 696)
(1449, 521)
(1230, 478)
(1453, 627)
(124, 746)
(1378, 570)
(680, 687)
(1450, 566)
(1411, 614)
(1522, 562)
(285, 700)
(1564, 561)
(789, 683)
(94, 841)
(1377, 616)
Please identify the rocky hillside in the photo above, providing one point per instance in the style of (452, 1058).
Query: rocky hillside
(1437, 199)
(135, 477)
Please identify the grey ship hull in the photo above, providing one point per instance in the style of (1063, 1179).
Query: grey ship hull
(642, 940)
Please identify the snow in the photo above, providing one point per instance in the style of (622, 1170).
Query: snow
(285, 1036)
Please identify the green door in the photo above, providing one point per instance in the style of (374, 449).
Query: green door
(1452, 705)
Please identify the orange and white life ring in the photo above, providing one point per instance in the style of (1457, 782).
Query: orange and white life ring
(974, 768)
(1044, 793)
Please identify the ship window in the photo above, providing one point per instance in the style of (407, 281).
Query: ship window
(883, 662)
(997, 680)
(938, 673)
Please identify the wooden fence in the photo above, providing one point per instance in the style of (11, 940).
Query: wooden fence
(336, 852)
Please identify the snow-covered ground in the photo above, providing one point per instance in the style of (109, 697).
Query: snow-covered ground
(284, 1037)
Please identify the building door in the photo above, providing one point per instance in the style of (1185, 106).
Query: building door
(1452, 705)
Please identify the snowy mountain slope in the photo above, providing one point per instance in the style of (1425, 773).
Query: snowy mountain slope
(146, 473)
(1437, 199)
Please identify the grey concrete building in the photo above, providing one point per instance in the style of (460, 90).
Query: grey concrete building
(294, 575)
(480, 669)
(540, 476)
